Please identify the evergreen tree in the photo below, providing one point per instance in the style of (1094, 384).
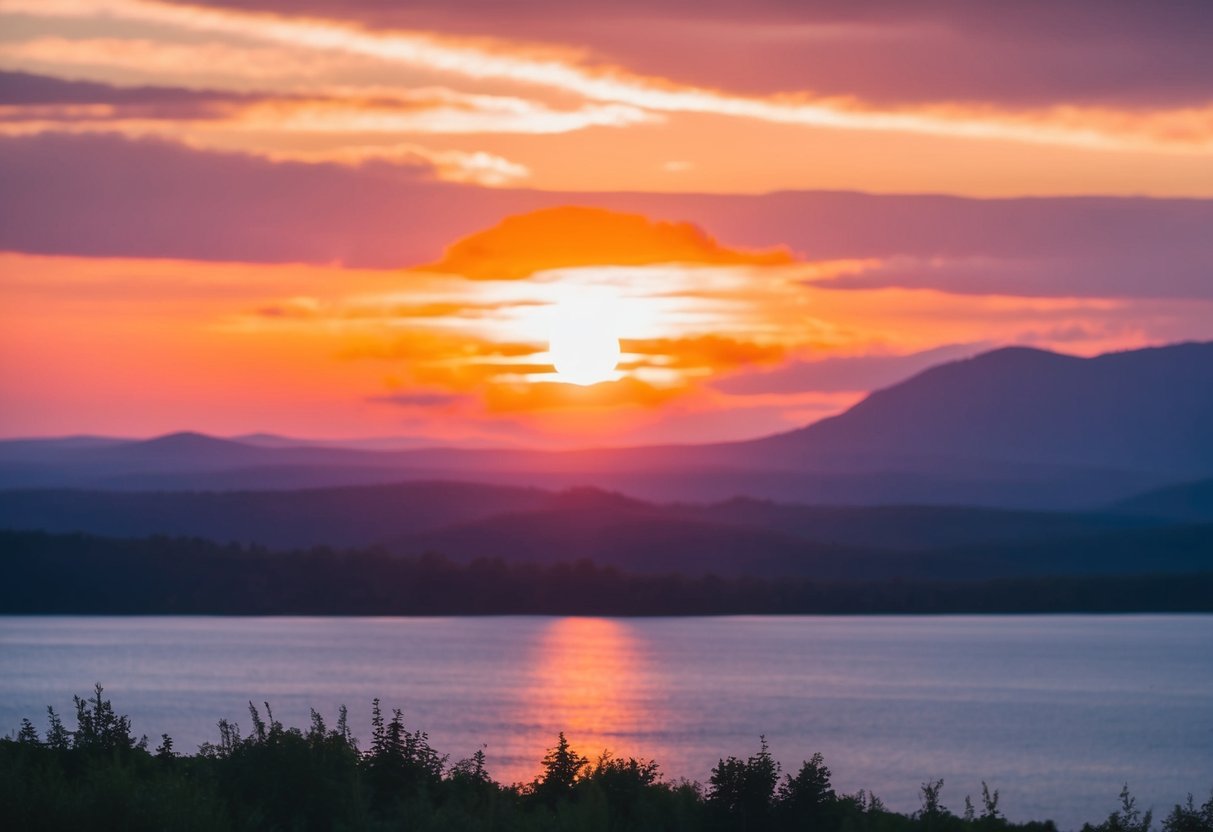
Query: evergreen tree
(561, 768)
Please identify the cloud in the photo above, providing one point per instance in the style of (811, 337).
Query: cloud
(844, 374)
(572, 236)
(534, 397)
(708, 352)
(418, 399)
(1135, 273)
(482, 62)
(106, 195)
(469, 167)
(38, 96)
(370, 350)
(890, 51)
(415, 345)
(176, 60)
(26, 97)
(112, 196)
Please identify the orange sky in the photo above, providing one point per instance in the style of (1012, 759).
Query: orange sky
(349, 223)
(457, 350)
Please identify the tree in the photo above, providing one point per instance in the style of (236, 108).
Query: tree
(933, 811)
(743, 790)
(98, 728)
(626, 784)
(472, 769)
(561, 768)
(989, 803)
(1128, 818)
(28, 735)
(165, 750)
(57, 737)
(400, 763)
(1188, 817)
(808, 801)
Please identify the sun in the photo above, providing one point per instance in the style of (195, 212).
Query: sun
(584, 342)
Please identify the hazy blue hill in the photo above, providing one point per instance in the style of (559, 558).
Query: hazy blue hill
(646, 542)
(81, 574)
(1189, 502)
(352, 516)
(13, 449)
(640, 540)
(284, 476)
(183, 445)
(1145, 410)
(657, 479)
(466, 519)
(1012, 428)
(68, 462)
(912, 527)
(1171, 549)
(189, 451)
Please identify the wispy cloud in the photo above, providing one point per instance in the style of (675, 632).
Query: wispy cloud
(1021, 54)
(1073, 126)
(468, 167)
(25, 97)
(236, 63)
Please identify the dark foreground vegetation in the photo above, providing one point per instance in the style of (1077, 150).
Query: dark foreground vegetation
(99, 776)
(91, 575)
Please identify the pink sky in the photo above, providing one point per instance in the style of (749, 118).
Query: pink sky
(349, 220)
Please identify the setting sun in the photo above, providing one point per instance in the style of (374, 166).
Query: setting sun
(584, 342)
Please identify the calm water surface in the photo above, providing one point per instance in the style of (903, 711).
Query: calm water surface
(1055, 711)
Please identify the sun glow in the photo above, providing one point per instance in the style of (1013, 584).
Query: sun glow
(584, 340)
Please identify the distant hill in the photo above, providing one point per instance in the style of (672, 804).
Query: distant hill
(350, 516)
(1190, 502)
(872, 543)
(450, 511)
(1012, 428)
(636, 539)
(79, 574)
(910, 528)
(1147, 410)
(466, 521)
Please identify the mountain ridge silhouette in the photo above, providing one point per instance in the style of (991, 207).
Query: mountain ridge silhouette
(1014, 427)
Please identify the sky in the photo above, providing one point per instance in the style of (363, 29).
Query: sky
(360, 218)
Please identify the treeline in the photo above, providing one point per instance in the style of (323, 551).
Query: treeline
(91, 575)
(99, 776)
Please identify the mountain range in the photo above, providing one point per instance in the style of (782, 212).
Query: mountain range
(1014, 463)
(1010, 428)
(742, 536)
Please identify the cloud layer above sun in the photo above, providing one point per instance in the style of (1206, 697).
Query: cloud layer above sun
(362, 219)
(717, 341)
(729, 97)
(570, 236)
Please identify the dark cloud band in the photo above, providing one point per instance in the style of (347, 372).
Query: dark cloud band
(1031, 53)
(102, 195)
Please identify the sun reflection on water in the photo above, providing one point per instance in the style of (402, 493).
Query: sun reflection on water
(589, 679)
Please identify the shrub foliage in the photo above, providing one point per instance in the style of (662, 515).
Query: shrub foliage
(99, 776)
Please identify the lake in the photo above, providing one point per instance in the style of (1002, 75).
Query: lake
(1057, 712)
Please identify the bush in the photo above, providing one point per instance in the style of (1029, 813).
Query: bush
(278, 778)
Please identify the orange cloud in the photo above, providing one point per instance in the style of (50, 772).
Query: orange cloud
(706, 351)
(605, 398)
(487, 61)
(134, 347)
(572, 236)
